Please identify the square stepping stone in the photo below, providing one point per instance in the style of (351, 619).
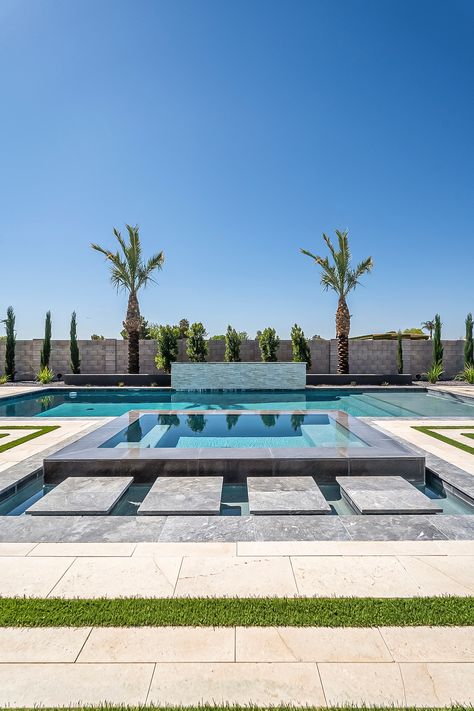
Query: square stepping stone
(82, 496)
(183, 495)
(385, 495)
(285, 495)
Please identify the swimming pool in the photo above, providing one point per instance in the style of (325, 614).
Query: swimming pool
(233, 431)
(109, 402)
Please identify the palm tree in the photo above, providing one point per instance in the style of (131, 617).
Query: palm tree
(129, 272)
(342, 278)
(428, 326)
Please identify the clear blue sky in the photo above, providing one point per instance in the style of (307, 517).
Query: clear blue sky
(234, 133)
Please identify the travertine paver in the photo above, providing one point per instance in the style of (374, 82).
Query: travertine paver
(82, 495)
(16, 549)
(354, 548)
(309, 644)
(365, 683)
(285, 495)
(73, 684)
(188, 549)
(183, 495)
(453, 576)
(235, 576)
(262, 684)
(117, 577)
(159, 644)
(438, 684)
(33, 577)
(385, 495)
(41, 644)
(90, 550)
(430, 644)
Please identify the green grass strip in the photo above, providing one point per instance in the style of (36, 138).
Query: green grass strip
(37, 432)
(250, 707)
(230, 612)
(447, 440)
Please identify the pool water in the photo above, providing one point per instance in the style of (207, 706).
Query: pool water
(234, 500)
(233, 431)
(90, 402)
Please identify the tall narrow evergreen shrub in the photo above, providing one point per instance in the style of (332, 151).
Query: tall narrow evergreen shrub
(233, 342)
(300, 347)
(75, 361)
(167, 343)
(196, 345)
(10, 344)
(399, 353)
(45, 354)
(437, 345)
(268, 342)
(468, 343)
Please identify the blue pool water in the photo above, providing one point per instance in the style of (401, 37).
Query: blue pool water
(235, 431)
(91, 402)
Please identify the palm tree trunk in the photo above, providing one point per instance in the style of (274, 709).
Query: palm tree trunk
(132, 326)
(343, 325)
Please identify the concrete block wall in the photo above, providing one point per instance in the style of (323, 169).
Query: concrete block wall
(111, 356)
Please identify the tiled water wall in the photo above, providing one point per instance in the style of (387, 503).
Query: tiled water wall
(238, 376)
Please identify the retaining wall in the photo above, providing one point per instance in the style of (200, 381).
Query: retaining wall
(111, 356)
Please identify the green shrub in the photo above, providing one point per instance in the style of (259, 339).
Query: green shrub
(196, 346)
(96, 337)
(3, 379)
(434, 373)
(45, 354)
(399, 353)
(10, 344)
(468, 344)
(45, 375)
(467, 374)
(437, 345)
(75, 361)
(167, 343)
(300, 347)
(268, 342)
(233, 342)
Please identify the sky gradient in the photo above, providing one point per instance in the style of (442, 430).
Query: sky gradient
(235, 133)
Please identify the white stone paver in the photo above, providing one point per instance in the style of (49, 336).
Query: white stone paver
(33, 577)
(429, 644)
(435, 573)
(79, 550)
(41, 644)
(16, 549)
(310, 644)
(208, 549)
(73, 684)
(262, 684)
(354, 548)
(438, 684)
(160, 644)
(363, 683)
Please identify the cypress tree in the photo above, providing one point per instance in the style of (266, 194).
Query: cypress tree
(232, 345)
(46, 348)
(10, 344)
(399, 353)
(196, 346)
(300, 347)
(468, 344)
(268, 342)
(75, 362)
(437, 345)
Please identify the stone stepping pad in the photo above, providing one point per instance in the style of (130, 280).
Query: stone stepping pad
(82, 496)
(385, 495)
(183, 495)
(285, 495)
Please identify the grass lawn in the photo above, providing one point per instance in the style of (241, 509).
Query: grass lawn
(250, 707)
(433, 432)
(230, 612)
(35, 432)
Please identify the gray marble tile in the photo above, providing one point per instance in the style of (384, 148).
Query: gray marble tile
(285, 495)
(385, 495)
(183, 495)
(208, 528)
(82, 495)
(299, 528)
(455, 527)
(392, 528)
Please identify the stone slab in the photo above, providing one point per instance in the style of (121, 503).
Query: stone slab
(183, 495)
(285, 495)
(385, 495)
(82, 495)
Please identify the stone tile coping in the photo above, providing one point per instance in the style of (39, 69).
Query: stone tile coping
(385, 495)
(183, 495)
(285, 495)
(82, 495)
(50, 571)
(420, 666)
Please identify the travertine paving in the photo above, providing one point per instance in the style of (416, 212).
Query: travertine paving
(262, 666)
